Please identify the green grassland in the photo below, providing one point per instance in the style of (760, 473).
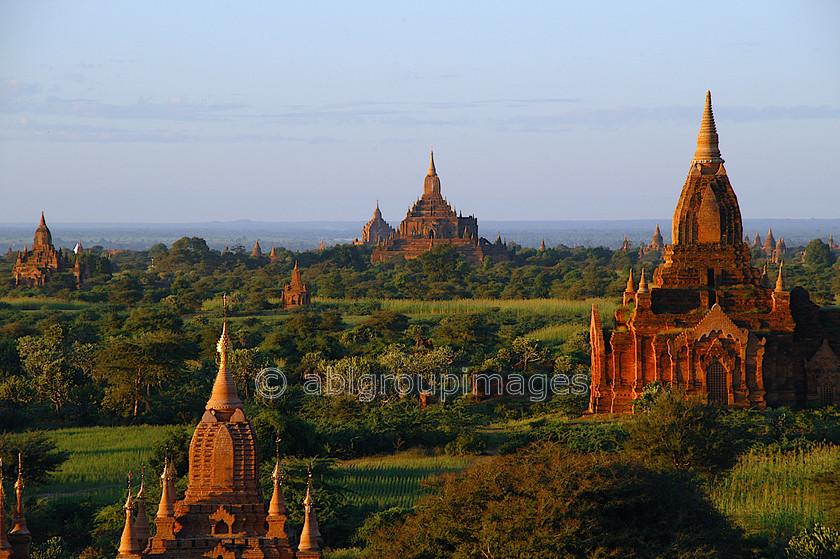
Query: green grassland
(781, 492)
(396, 480)
(100, 458)
(771, 492)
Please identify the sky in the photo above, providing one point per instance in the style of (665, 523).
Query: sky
(299, 111)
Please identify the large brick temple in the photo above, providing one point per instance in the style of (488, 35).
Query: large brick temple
(710, 323)
(431, 222)
(34, 267)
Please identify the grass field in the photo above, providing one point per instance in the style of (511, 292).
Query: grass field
(395, 480)
(100, 458)
(779, 493)
(44, 303)
(464, 306)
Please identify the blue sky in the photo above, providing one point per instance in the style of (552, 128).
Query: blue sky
(285, 111)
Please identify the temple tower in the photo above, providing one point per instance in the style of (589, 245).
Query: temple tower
(709, 323)
(707, 249)
(295, 294)
(222, 513)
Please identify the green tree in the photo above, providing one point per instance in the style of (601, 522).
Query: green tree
(48, 361)
(548, 503)
(672, 431)
(40, 455)
(818, 255)
(527, 351)
(133, 365)
(440, 263)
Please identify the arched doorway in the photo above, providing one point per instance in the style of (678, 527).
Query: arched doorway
(716, 383)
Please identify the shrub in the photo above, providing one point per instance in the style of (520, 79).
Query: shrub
(466, 443)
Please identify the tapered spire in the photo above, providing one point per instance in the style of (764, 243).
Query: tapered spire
(224, 396)
(631, 285)
(432, 172)
(310, 533)
(19, 537)
(542, 245)
(141, 523)
(166, 509)
(780, 284)
(129, 548)
(257, 252)
(707, 138)
(19, 519)
(643, 284)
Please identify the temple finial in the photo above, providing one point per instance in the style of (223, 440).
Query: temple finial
(780, 284)
(643, 285)
(224, 396)
(707, 138)
(631, 285)
(432, 170)
(310, 533)
(129, 546)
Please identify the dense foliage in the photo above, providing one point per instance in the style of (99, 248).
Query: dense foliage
(547, 502)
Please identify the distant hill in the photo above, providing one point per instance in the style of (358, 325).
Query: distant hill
(305, 235)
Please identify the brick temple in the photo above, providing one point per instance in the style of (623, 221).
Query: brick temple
(35, 266)
(223, 513)
(709, 323)
(295, 294)
(429, 223)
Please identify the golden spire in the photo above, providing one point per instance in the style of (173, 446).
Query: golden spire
(780, 284)
(277, 506)
(166, 509)
(542, 245)
(707, 138)
(432, 171)
(310, 533)
(19, 518)
(224, 396)
(128, 542)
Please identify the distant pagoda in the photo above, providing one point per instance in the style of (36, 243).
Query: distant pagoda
(432, 222)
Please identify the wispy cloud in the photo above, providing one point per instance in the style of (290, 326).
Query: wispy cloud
(33, 115)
